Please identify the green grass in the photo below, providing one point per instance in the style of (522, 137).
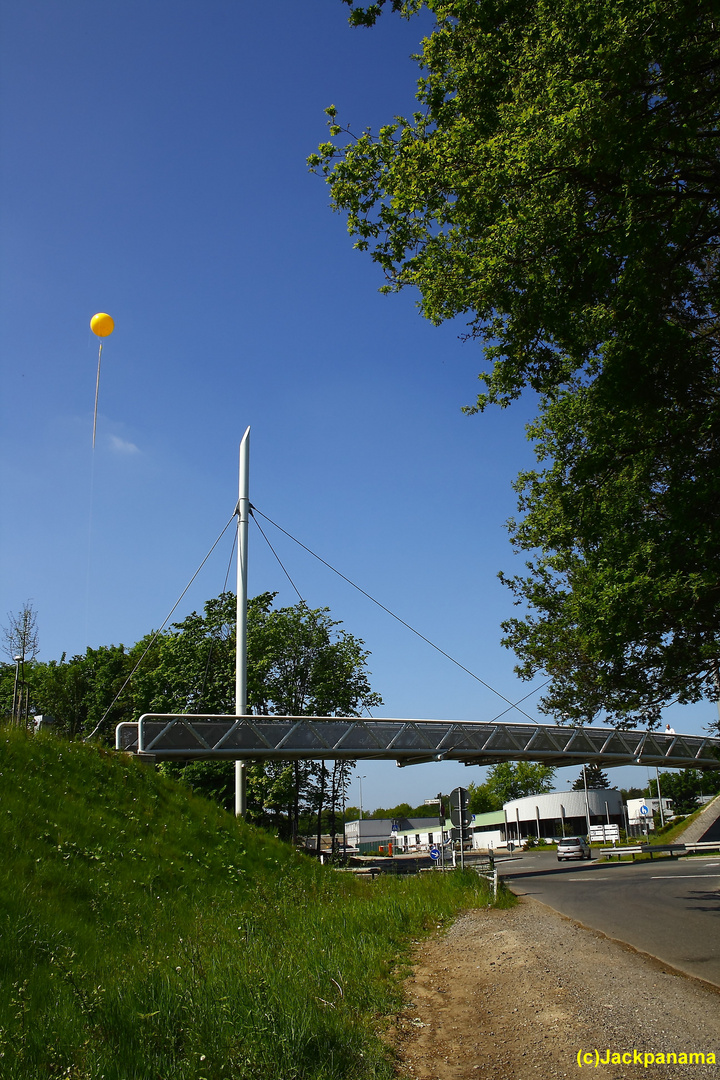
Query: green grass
(144, 933)
(675, 829)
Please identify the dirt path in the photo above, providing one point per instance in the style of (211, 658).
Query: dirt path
(516, 995)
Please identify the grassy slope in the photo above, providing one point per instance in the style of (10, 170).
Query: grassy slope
(144, 933)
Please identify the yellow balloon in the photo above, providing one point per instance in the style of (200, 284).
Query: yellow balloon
(102, 324)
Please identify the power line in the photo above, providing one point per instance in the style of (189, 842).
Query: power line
(210, 649)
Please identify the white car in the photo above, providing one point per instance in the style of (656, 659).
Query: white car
(573, 847)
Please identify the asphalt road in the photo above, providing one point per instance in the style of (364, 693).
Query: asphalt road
(669, 908)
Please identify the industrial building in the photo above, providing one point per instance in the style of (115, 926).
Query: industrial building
(562, 813)
(556, 814)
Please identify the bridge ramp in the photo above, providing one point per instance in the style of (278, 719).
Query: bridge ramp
(697, 829)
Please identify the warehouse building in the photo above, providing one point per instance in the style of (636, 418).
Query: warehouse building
(562, 813)
(550, 816)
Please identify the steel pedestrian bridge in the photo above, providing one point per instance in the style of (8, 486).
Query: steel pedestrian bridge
(408, 742)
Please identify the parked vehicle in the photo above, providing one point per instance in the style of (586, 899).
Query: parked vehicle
(573, 847)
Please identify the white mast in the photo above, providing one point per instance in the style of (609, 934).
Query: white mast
(243, 517)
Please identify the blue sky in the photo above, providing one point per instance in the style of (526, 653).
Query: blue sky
(154, 168)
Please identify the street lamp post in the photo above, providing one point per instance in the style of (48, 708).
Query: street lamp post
(361, 778)
(660, 805)
(16, 709)
(587, 803)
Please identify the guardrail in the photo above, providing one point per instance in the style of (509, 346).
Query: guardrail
(673, 850)
(490, 874)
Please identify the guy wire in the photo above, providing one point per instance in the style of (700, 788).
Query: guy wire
(157, 633)
(513, 705)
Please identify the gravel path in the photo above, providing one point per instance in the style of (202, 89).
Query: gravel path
(519, 993)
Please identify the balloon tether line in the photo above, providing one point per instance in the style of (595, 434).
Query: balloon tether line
(97, 391)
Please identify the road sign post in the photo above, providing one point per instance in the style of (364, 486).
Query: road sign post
(461, 817)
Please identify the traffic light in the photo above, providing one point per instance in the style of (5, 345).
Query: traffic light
(459, 813)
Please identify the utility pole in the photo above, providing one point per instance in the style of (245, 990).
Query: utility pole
(587, 803)
(660, 805)
(243, 517)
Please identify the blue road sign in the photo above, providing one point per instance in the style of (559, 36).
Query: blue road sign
(434, 853)
(644, 810)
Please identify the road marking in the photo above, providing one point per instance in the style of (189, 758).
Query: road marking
(675, 877)
(594, 877)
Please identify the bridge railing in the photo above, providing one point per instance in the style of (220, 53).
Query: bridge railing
(188, 736)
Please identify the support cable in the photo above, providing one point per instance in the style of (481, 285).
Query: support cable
(512, 705)
(283, 568)
(212, 640)
(157, 633)
(519, 700)
(285, 571)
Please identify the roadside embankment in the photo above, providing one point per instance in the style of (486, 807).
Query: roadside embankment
(519, 994)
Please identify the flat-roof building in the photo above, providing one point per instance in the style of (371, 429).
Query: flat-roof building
(553, 815)
(562, 813)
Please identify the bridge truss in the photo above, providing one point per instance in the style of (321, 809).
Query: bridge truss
(408, 742)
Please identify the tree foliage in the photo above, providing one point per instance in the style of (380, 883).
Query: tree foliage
(595, 778)
(81, 692)
(510, 780)
(685, 788)
(20, 634)
(559, 188)
(300, 662)
(481, 800)
(405, 810)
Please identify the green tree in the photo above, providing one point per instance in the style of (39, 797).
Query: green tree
(558, 188)
(81, 692)
(623, 531)
(595, 777)
(633, 793)
(21, 644)
(515, 780)
(60, 689)
(191, 667)
(20, 634)
(483, 800)
(299, 663)
(405, 810)
(685, 788)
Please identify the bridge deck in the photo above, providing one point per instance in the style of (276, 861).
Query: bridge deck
(408, 742)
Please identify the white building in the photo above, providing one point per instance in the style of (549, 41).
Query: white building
(368, 834)
(418, 834)
(562, 813)
(642, 817)
(556, 814)
(487, 832)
